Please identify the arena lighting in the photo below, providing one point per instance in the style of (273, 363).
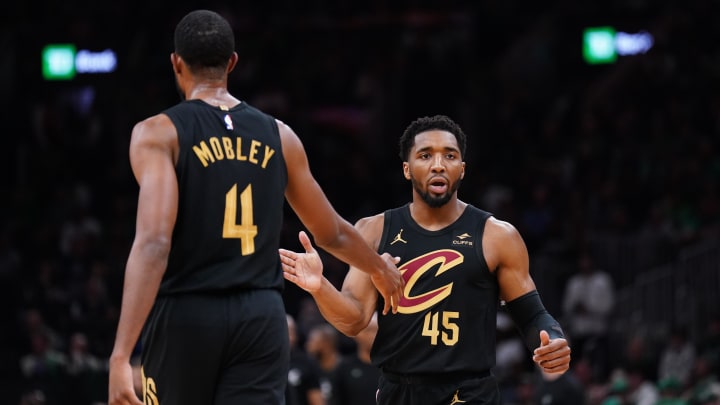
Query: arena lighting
(604, 44)
(64, 61)
(95, 62)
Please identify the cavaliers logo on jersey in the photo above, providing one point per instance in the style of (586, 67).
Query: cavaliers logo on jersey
(444, 260)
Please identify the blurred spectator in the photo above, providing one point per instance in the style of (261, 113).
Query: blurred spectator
(595, 391)
(308, 316)
(564, 389)
(523, 391)
(587, 304)
(304, 374)
(87, 374)
(511, 356)
(322, 345)
(642, 390)
(80, 226)
(539, 219)
(619, 390)
(355, 379)
(677, 358)
(704, 385)
(510, 352)
(34, 325)
(45, 369)
(670, 392)
(640, 355)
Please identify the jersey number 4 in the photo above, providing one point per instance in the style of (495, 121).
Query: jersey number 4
(246, 230)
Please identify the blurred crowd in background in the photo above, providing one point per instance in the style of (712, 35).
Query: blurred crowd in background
(610, 172)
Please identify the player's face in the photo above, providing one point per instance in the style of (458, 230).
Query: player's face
(435, 167)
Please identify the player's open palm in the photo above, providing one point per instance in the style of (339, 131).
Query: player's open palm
(303, 269)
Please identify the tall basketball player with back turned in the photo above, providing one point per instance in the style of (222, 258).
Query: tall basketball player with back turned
(458, 262)
(203, 276)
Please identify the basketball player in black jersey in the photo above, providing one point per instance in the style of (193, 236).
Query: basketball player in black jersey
(203, 279)
(459, 263)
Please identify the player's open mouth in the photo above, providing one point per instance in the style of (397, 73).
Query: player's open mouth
(438, 186)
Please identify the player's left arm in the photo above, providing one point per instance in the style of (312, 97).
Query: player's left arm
(506, 253)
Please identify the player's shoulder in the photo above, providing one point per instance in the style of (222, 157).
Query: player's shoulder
(502, 243)
(371, 228)
(284, 128)
(157, 128)
(289, 138)
(371, 221)
(154, 123)
(500, 229)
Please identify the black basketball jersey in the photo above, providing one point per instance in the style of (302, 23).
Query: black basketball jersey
(231, 177)
(447, 320)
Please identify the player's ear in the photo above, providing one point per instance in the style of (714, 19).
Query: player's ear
(176, 62)
(232, 62)
(406, 170)
(462, 171)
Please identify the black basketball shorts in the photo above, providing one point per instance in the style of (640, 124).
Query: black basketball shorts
(216, 349)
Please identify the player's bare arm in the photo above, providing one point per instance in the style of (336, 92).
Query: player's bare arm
(329, 230)
(349, 310)
(507, 254)
(153, 151)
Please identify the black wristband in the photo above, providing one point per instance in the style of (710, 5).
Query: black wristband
(530, 317)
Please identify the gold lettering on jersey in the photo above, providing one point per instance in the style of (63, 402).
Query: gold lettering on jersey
(223, 148)
(463, 240)
(253, 151)
(269, 152)
(228, 146)
(240, 155)
(203, 153)
(149, 389)
(412, 270)
(216, 148)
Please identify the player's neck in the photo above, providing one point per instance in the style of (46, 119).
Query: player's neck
(213, 93)
(436, 218)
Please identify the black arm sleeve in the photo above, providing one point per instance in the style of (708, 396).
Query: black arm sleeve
(530, 317)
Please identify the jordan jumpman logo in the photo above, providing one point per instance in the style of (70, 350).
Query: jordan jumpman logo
(398, 238)
(455, 399)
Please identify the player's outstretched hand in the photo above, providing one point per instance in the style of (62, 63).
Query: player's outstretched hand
(303, 269)
(553, 355)
(389, 283)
